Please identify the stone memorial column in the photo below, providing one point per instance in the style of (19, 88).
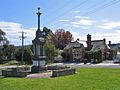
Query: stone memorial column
(39, 59)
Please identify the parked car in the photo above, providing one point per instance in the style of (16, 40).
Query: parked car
(116, 59)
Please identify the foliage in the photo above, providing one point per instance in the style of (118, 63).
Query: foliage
(85, 79)
(51, 52)
(1, 54)
(89, 56)
(46, 31)
(11, 62)
(27, 56)
(97, 55)
(7, 51)
(4, 52)
(65, 56)
(62, 38)
(3, 39)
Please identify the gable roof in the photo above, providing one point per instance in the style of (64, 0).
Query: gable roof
(74, 45)
(98, 44)
(114, 45)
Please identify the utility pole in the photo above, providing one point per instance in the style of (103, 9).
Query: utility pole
(22, 38)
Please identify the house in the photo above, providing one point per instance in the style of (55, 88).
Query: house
(93, 45)
(114, 49)
(74, 51)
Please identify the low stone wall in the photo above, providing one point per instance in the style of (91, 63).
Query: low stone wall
(63, 72)
(18, 69)
(16, 72)
(56, 67)
(10, 73)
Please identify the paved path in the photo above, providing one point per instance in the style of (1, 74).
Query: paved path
(40, 75)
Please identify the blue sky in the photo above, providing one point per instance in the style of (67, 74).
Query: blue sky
(100, 18)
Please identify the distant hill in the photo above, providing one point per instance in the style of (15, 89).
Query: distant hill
(25, 46)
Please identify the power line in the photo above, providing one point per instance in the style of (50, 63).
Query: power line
(60, 8)
(76, 7)
(95, 4)
(99, 8)
(102, 7)
(63, 14)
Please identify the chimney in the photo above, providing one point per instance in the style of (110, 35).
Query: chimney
(109, 43)
(104, 40)
(89, 41)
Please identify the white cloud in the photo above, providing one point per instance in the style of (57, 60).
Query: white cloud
(75, 25)
(109, 25)
(86, 22)
(79, 17)
(83, 22)
(84, 27)
(66, 25)
(64, 20)
(10, 24)
(114, 37)
(77, 11)
(12, 30)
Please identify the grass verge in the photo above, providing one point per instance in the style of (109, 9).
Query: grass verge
(85, 79)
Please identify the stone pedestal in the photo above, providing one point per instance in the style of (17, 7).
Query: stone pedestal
(37, 69)
(39, 65)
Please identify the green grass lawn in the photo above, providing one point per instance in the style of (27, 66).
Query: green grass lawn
(85, 79)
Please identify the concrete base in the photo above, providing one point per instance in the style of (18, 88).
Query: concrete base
(37, 69)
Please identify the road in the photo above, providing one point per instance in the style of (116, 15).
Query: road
(105, 64)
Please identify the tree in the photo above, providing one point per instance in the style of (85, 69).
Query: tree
(50, 51)
(46, 31)
(98, 55)
(3, 39)
(8, 51)
(62, 38)
(27, 57)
